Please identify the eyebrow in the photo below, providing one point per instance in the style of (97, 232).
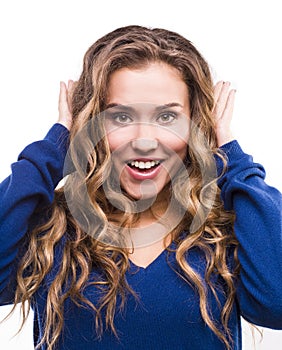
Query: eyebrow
(161, 107)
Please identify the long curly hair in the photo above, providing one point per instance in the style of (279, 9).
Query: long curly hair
(131, 47)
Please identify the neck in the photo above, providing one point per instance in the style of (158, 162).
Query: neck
(154, 211)
(156, 222)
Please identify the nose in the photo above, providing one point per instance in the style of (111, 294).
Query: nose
(145, 138)
(144, 145)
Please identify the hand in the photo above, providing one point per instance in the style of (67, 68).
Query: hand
(64, 106)
(223, 110)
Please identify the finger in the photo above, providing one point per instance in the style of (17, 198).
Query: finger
(229, 107)
(70, 85)
(70, 92)
(217, 89)
(223, 125)
(62, 95)
(222, 100)
(70, 82)
(65, 117)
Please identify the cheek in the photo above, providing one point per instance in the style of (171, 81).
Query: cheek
(112, 141)
(180, 148)
(176, 143)
(117, 139)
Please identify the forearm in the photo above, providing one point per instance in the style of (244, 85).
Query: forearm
(257, 227)
(29, 188)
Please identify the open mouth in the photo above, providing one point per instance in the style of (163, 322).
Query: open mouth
(144, 169)
(144, 166)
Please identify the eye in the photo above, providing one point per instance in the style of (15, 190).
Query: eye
(122, 118)
(167, 117)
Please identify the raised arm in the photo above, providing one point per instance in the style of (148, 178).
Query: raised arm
(29, 189)
(258, 224)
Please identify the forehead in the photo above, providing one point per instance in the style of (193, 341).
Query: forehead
(157, 83)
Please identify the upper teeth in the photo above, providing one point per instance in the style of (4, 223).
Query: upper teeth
(145, 165)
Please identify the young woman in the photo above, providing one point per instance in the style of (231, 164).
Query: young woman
(164, 232)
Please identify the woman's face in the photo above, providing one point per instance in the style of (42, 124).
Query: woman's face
(147, 126)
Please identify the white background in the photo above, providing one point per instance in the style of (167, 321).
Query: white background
(43, 42)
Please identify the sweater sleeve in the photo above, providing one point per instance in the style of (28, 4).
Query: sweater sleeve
(258, 229)
(28, 189)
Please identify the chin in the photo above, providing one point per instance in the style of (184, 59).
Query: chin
(146, 190)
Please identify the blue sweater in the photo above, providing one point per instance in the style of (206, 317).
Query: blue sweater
(168, 315)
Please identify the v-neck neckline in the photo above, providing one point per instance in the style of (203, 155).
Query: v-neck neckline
(154, 262)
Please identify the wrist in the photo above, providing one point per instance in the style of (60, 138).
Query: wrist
(224, 138)
(65, 124)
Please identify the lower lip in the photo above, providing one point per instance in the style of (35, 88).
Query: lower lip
(148, 174)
